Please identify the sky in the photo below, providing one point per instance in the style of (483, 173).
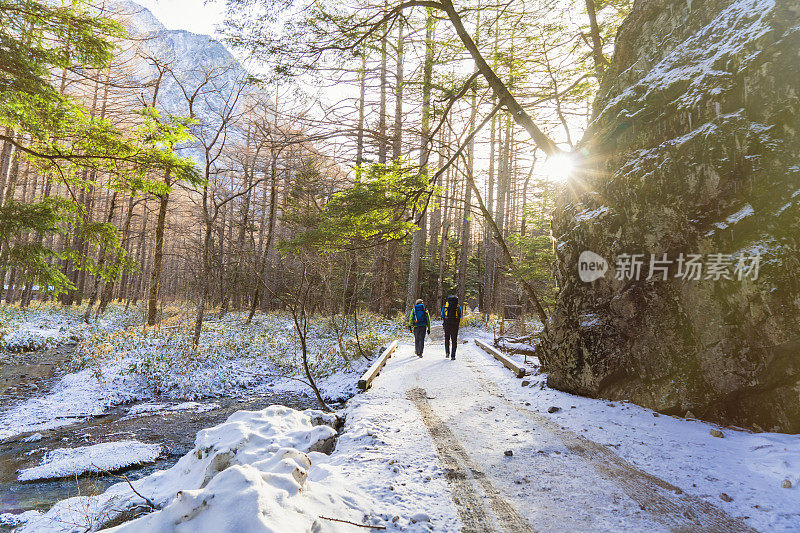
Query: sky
(197, 16)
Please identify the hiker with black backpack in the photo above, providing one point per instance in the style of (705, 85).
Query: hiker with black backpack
(451, 320)
(419, 321)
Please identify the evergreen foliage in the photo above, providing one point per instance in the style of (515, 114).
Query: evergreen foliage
(375, 208)
(62, 140)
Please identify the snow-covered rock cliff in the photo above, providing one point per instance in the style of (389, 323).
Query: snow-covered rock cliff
(692, 156)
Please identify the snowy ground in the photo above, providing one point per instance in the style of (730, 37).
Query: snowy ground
(440, 445)
(233, 355)
(235, 359)
(151, 409)
(590, 466)
(259, 471)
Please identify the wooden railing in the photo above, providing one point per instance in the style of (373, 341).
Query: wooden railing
(366, 380)
(519, 371)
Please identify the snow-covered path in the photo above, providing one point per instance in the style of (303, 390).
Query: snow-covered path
(446, 426)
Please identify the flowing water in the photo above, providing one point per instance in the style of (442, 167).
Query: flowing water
(23, 376)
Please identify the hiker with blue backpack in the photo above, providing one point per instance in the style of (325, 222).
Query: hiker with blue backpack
(419, 321)
(451, 320)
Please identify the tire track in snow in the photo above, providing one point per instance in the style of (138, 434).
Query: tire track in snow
(462, 474)
(665, 502)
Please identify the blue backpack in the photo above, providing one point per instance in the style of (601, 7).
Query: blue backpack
(419, 315)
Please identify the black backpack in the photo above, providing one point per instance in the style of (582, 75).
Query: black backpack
(452, 308)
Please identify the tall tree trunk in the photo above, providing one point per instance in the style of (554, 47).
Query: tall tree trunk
(273, 206)
(9, 195)
(6, 158)
(498, 236)
(240, 246)
(158, 257)
(361, 109)
(442, 266)
(83, 248)
(418, 241)
(43, 290)
(488, 242)
(79, 277)
(101, 262)
(95, 293)
(597, 42)
(25, 296)
(390, 248)
(382, 138)
(500, 211)
(523, 226)
(465, 228)
(388, 281)
(126, 248)
(135, 285)
(226, 274)
(205, 271)
(350, 300)
(436, 214)
(397, 139)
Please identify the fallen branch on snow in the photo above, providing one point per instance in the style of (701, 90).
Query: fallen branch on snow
(124, 477)
(352, 523)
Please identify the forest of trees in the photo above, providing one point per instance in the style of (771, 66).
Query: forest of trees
(376, 154)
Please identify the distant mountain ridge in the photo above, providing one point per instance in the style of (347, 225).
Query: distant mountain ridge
(189, 54)
(190, 57)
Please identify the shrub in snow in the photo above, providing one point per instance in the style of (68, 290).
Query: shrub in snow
(258, 471)
(47, 325)
(492, 323)
(480, 321)
(232, 355)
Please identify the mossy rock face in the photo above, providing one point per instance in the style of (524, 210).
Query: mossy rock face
(694, 149)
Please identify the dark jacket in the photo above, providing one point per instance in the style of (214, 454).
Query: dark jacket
(451, 312)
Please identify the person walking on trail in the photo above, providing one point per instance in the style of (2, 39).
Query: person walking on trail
(419, 321)
(451, 320)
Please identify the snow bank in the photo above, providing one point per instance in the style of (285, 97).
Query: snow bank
(149, 409)
(258, 471)
(77, 396)
(12, 519)
(107, 456)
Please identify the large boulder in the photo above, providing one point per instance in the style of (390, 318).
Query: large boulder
(694, 149)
